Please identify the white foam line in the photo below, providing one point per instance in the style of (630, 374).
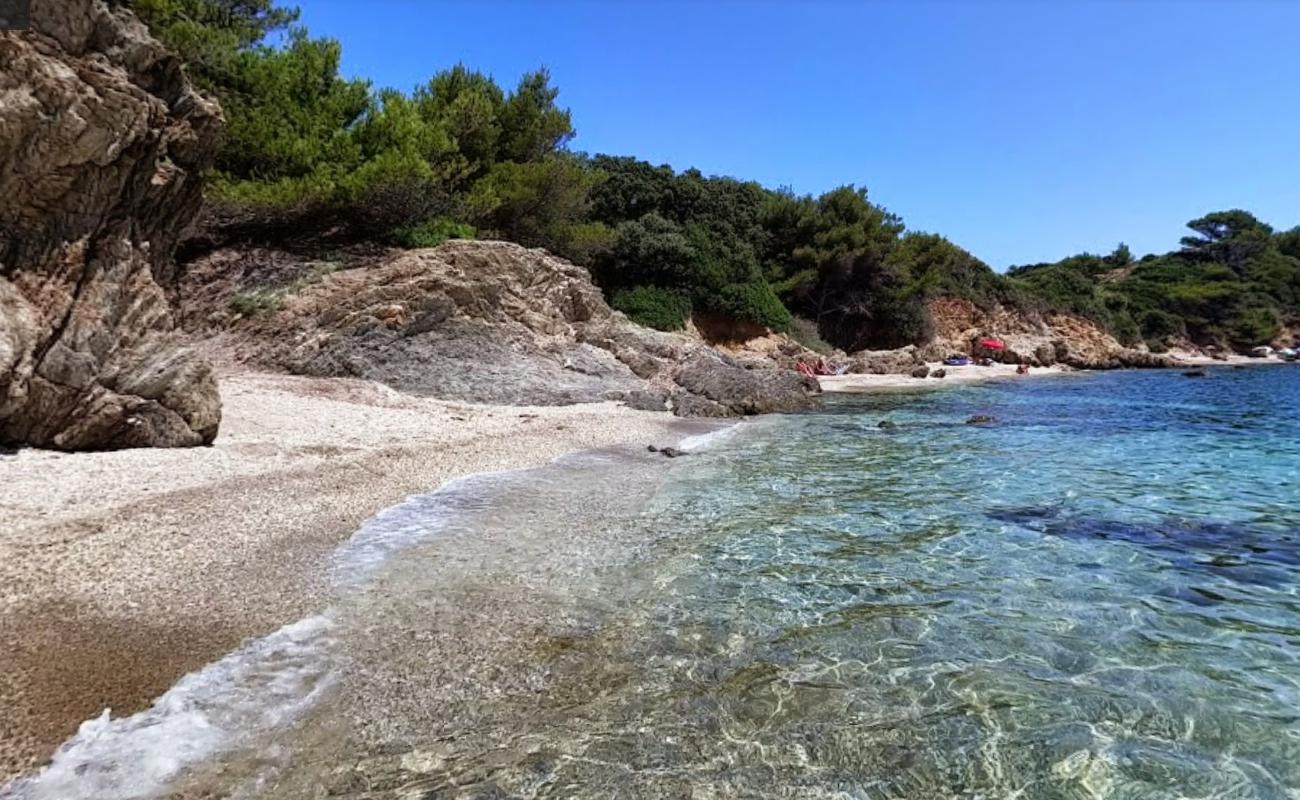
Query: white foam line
(406, 524)
(264, 684)
(260, 686)
(704, 441)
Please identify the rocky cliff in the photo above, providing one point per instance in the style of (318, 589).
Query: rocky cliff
(475, 321)
(102, 142)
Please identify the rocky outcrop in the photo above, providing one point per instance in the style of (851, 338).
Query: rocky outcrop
(886, 362)
(102, 142)
(475, 321)
(1034, 339)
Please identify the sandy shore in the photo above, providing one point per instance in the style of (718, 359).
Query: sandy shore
(977, 374)
(1233, 360)
(120, 572)
(967, 374)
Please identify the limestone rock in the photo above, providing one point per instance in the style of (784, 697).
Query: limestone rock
(102, 145)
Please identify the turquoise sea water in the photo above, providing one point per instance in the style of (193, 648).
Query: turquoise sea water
(1098, 596)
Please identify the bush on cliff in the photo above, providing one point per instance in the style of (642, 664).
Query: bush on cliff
(431, 233)
(654, 307)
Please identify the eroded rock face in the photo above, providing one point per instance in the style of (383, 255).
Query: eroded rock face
(475, 321)
(102, 142)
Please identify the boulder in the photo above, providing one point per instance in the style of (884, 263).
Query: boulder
(1142, 359)
(685, 404)
(646, 400)
(939, 373)
(885, 362)
(1044, 355)
(922, 371)
(102, 146)
(717, 377)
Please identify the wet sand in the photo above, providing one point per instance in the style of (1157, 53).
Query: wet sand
(120, 572)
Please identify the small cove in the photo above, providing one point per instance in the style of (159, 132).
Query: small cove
(1098, 596)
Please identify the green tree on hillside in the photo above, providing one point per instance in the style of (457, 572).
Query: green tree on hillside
(1227, 237)
(461, 156)
(209, 34)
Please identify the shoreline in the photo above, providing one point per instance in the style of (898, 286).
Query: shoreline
(970, 374)
(124, 571)
(973, 374)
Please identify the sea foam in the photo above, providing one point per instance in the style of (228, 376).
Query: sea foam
(258, 687)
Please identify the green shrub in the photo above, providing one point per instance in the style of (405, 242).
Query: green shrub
(258, 301)
(431, 233)
(274, 198)
(1125, 329)
(1254, 327)
(1157, 324)
(654, 307)
(754, 302)
(804, 331)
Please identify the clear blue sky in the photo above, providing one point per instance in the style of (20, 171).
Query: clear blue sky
(1024, 131)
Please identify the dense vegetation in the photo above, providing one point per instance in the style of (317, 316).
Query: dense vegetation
(459, 157)
(1233, 283)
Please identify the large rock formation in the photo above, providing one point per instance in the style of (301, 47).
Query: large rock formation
(102, 141)
(476, 321)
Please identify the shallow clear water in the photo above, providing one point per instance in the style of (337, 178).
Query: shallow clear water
(1096, 597)
(1099, 596)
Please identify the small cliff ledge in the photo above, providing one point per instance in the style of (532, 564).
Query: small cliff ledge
(102, 142)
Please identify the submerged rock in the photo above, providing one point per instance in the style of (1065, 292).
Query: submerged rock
(982, 419)
(886, 425)
(102, 145)
(1194, 373)
(667, 452)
